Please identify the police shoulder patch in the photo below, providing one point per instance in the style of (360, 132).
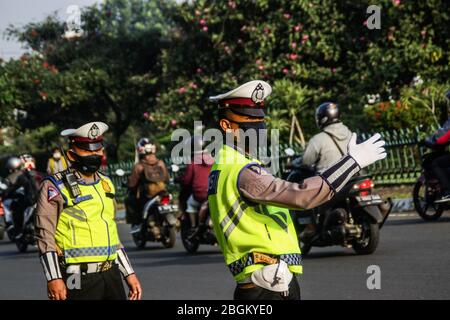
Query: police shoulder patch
(52, 193)
(212, 181)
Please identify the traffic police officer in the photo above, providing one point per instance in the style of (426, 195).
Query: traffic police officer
(76, 234)
(249, 206)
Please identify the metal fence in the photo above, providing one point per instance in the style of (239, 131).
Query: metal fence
(401, 166)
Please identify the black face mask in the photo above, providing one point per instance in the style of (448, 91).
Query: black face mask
(261, 133)
(87, 164)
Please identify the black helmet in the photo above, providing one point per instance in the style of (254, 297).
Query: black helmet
(327, 113)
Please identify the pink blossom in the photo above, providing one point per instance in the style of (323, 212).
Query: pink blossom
(182, 90)
(146, 114)
(197, 13)
(305, 38)
(261, 67)
(258, 62)
(298, 27)
(333, 70)
(199, 70)
(266, 30)
(173, 122)
(294, 45)
(293, 56)
(205, 29)
(365, 23)
(193, 85)
(202, 22)
(396, 2)
(287, 16)
(423, 33)
(232, 4)
(285, 70)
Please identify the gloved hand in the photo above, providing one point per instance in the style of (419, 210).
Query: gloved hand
(368, 151)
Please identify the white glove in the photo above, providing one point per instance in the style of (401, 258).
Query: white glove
(368, 151)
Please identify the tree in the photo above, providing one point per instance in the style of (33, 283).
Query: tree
(110, 74)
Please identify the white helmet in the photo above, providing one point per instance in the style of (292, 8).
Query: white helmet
(144, 146)
(13, 164)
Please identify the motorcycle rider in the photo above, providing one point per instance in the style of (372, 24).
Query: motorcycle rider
(326, 147)
(331, 143)
(195, 182)
(148, 178)
(440, 165)
(23, 192)
(14, 168)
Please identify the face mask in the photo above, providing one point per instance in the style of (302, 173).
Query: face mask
(259, 131)
(57, 155)
(87, 164)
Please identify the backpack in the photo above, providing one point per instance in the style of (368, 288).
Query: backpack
(153, 177)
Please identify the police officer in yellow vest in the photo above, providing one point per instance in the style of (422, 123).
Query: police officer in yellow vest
(249, 206)
(76, 233)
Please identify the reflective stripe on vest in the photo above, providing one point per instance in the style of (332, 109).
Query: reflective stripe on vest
(243, 227)
(86, 230)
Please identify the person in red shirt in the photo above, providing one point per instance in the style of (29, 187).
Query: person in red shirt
(440, 166)
(195, 179)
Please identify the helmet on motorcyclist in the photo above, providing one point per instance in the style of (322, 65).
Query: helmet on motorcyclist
(13, 164)
(327, 113)
(145, 146)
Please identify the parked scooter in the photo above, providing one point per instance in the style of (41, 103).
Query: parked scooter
(352, 218)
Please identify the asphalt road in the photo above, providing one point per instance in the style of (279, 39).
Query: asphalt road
(413, 256)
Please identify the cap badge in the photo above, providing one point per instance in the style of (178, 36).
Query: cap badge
(94, 132)
(258, 94)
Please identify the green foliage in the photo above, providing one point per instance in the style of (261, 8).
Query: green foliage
(152, 65)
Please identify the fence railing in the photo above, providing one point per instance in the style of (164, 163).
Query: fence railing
(401, 166)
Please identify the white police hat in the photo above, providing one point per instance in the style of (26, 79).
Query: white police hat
(247, 99)
(89, 136)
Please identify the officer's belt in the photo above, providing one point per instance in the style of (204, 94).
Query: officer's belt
(91, 267)
(252, 258)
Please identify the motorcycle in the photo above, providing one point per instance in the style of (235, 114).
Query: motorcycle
(26, 237)
(192, 238)
(3, 188)
(427, 189)
(159, 220)
(28, 231)
(352, 218)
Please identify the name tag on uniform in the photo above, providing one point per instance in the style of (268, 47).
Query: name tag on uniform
(212, 181)
(79, 199)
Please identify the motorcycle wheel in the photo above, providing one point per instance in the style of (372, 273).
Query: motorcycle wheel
(369, 242)
(22, 246)
(139, 240)
(427, 210)
(191, 246)
(170, 236)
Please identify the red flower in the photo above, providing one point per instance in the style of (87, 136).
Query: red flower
(285, 70)
(45, 64)
(293, 56)
(182, 90)
(43, 95)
